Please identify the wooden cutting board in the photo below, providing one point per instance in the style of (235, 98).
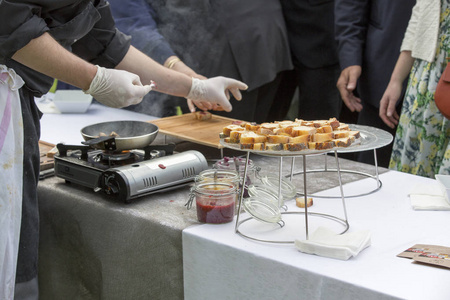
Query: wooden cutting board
(46, 154)
(186, 127)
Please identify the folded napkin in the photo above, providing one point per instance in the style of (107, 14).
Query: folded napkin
(325, 242)
(428, 197)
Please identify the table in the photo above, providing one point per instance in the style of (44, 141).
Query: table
(219, 264)
(92, 247)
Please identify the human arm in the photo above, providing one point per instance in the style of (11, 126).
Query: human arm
(394, 89)
(137, 18)
(214, 90)
(351, 21)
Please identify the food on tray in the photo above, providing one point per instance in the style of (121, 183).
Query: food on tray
(300, 202)
(290, 135)
(202, 115)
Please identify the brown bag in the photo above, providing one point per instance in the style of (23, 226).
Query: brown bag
(442, 94)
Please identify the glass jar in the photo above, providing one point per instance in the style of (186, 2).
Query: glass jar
(215, 201)
(288, 190)
(238, 164)
(214, 175)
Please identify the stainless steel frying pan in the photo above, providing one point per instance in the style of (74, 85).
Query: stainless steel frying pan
(130, 135)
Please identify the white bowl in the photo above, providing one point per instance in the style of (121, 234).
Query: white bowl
(72, 101)
(444, 183)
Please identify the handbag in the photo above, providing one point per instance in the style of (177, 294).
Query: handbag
(442, 94)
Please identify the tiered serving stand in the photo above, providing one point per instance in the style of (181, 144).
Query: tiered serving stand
(370, 140)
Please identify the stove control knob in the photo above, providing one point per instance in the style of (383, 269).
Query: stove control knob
(111, 185)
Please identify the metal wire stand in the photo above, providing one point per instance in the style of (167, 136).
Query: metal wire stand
(307, 214)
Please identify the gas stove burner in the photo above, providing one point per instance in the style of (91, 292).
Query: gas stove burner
(106, 156)
(129, 174)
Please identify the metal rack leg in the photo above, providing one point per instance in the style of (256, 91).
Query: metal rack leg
(241, 196)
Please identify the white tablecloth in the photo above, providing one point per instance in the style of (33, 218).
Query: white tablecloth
(220, 264)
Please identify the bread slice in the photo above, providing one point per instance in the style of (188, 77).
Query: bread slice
(303, 130)
(343, 126)
(341, 134)
(252, 127)
(300, 139)
(334, 123)
(267, 128)
(320, 145)
(295, 146)
(235, 136)
(325, 129)
(273, 147)
(343, 142)
(300, 202)
(250, 137)
(277, 139)
(255, 146)
(355, 133)
(323, 137)
(227, 129)
(202, 115)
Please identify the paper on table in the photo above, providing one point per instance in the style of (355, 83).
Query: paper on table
(428, 197)
(324, 242)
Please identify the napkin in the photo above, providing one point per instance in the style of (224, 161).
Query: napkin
(428, 197)
(325, 242)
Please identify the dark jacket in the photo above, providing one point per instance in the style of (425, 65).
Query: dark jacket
(86, 27)
(310, 27)
(369, 33)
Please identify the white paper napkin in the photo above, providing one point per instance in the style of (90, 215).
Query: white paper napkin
(325, 242)
(428, 197)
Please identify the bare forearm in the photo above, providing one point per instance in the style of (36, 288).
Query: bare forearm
(46, 56)
(167, 81)
(402, 67)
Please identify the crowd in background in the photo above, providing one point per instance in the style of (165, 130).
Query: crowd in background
(298, 59)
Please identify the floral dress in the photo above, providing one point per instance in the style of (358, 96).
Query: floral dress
(421, 144)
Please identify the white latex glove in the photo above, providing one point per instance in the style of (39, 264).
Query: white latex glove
(117, 88)
(216, 90)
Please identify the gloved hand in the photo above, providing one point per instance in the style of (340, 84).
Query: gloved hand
(216, 90)
(117, 88)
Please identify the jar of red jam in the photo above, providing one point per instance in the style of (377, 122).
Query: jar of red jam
(214, 175)
(215, 201)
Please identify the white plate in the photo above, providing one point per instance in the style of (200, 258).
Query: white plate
(371, 138)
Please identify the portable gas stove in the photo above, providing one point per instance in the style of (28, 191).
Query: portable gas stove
(127, 175)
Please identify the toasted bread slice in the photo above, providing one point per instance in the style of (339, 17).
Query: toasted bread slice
(325, 129)
(255, 146)
(303, 130)
(320, 145)
(355, 133)
(323, 137)
(251, 127)
(250, 137)
(300, 139)
(273, 147)
(295, 146)
(334, 123)
(277, 139)
(343, 126)
(343, 142)
(227, 129)
(341, 134)
(267, 128)
(235, 136)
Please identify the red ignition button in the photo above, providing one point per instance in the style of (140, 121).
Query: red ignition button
(162, 166)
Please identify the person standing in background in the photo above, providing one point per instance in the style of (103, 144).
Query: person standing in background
(204, 38)
(310, 26)
(421, 145)
(369, 35)
(77, 42)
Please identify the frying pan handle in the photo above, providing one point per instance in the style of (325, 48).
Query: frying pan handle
(109, 142)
